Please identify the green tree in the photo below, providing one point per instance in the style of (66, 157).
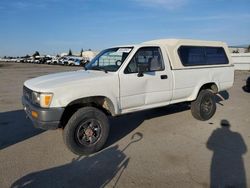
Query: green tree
(70, 52)
(81, 52)
(36, 54)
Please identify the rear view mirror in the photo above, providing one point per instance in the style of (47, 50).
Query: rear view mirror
(142, 68)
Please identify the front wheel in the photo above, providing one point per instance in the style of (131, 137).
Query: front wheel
(204, 107)
(87, 131)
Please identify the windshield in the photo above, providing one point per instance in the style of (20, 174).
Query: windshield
(109, 59)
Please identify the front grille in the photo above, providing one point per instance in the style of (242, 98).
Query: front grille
(27, 93)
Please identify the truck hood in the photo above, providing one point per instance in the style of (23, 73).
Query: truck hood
(50, 82)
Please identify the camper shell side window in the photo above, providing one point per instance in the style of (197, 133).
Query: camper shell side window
(200, 55)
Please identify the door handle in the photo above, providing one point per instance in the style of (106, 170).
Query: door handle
(164, 77)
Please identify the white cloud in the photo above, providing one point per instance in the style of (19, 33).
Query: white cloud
(168, 4)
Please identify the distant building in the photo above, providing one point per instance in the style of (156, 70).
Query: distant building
(63, 54)
(89, 55)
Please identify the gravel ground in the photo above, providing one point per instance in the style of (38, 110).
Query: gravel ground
(163, 147)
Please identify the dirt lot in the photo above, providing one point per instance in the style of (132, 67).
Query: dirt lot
(164, 147)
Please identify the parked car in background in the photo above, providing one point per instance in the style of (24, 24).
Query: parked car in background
(75, 61)
(46, 59)
(64, 60)
(20, 60)
(71, 61)
(55, 60)
(30, 60)
(37, 59)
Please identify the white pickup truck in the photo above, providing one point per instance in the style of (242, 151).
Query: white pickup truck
(127, 79)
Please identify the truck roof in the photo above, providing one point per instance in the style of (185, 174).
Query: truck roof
(177, 42)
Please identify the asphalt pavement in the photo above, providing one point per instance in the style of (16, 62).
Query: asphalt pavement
(163, 147)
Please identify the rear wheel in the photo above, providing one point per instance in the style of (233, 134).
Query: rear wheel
(86, 132)
(204, 107)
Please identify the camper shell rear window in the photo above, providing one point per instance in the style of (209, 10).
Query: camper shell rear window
(199, 55)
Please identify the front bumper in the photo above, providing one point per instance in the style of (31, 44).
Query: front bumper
(46, 118)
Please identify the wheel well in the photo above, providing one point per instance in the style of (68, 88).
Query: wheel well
(102, 103)
(211, 86)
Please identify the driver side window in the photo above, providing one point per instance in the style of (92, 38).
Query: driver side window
(146, 55)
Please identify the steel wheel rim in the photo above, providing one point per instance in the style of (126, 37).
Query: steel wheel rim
(88, 132)
(207, 105)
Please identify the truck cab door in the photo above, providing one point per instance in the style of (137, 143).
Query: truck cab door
(150, 88)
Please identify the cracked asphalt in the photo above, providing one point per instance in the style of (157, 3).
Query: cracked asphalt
(163, 147)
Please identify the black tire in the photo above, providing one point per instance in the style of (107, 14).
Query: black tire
(86, 131)
(204, 107)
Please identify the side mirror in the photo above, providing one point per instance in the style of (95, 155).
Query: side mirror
(142, 68)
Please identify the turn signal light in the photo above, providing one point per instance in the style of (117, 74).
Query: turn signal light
(34, 114)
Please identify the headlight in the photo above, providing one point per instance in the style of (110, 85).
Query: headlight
(36, 98)
(42, 99)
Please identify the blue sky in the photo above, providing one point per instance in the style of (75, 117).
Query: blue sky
(54, 26)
